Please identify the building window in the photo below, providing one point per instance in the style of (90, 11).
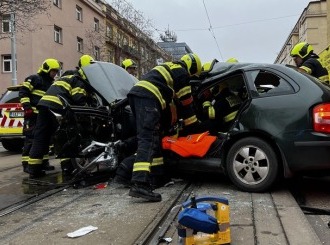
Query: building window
(96, 25)
(97, 52)
(78, 13)
(6, 23)
(111, 56)
(109, 32)
(6, 63)
(57, 34)
(125, 41)
(80, 45)
(57, 3)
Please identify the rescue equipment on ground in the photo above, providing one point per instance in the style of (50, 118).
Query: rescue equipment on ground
(194, 145)
(204, 220)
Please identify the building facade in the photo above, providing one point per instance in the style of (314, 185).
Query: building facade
(312, 27)
(176, 49)
(70, 29)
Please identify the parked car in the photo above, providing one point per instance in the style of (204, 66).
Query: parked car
(281, 129)
(11, 120)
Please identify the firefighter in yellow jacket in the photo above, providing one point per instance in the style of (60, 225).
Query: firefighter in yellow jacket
(73, 89)
(149, 99)
(33, 88)
(309, 62)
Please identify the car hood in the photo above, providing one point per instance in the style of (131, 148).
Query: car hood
(111, 81)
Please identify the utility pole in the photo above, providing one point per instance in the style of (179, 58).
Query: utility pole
(13, 48)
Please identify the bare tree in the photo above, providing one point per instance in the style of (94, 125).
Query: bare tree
(96, 38)
(25, 12)
(134, 16)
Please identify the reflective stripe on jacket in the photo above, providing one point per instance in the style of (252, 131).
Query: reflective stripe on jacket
(34, 87)
(71, 88)
(168, 82)
(314, 67)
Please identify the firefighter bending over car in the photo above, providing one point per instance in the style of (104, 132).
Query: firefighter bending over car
(158, 92)
(309, 62)
(73, 89)
(34, 87)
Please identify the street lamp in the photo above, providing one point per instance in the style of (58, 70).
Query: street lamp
(13, 48)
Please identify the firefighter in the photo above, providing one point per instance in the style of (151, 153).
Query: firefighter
(34, 87)
(150, 99)
(309, 62)
(73, 89)
(220, 108)
(130, 66)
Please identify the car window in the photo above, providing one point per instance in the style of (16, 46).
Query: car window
(267, 83)
(235, 84)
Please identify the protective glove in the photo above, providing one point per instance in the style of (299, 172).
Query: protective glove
(28, 112)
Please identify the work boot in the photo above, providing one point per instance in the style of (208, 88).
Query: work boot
(67, 167)
(122, 181)
(36, 171)
(46, 166)
(144, 190)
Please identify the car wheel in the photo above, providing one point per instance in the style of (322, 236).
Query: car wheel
(15, 145)
(252, 165)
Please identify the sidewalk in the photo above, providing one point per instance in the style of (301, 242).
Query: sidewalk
(268, 218)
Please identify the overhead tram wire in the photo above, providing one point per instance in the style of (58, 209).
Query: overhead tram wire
(211, 30)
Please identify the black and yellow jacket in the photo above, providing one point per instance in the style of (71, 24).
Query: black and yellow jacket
(33, 88)
(313, 66)
(167, 83)
(71, 87)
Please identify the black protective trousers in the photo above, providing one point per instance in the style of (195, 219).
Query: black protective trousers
(46, 126)
(147, 113)
(28, 132)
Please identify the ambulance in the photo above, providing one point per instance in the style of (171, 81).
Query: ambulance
(11, 120)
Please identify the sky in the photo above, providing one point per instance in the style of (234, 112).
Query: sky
(249, 30)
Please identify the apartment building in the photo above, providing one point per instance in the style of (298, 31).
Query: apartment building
(124, 40)
(71, 28)
(65, 32)
(312, 27)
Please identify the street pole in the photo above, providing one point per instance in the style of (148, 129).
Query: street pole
(13, 49)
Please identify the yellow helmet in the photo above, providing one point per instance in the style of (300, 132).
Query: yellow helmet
(301, 49)
(128, 63)
(85, 60)
(206, 66)
(49, 64)
(193, 63)
(232, 60)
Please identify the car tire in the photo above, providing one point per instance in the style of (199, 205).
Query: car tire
(14, 145)
(252, 165)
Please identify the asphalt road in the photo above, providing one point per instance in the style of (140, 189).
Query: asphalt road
(309, 192)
